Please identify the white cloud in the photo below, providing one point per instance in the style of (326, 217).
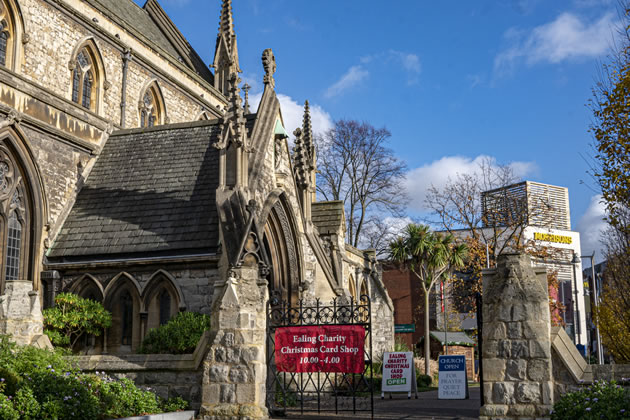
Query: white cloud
(409, 62)
(591, 226)
(566, 38)
(438, 172)
(293, 112)
(354, 76)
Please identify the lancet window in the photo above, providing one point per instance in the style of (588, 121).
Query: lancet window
(84, 79)
(151, 107)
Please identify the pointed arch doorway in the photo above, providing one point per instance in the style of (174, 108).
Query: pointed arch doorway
(281, 245)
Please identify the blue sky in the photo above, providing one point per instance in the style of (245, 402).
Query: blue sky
(452, 81)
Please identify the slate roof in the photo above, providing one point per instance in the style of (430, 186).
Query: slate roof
(151, 191)
(327, 216)
(152, 23)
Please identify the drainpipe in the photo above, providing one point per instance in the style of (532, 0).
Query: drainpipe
(123, 99)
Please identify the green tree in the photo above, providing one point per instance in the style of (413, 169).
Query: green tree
(72, 317)
(431, 257)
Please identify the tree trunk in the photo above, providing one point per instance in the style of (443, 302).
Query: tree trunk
(427, 335)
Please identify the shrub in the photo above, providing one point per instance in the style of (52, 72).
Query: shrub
(72, 317)
(178, 336)
(41, 384)
(423, 380)
(602, 400)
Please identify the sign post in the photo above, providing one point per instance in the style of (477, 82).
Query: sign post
(399, 374)
(453, 383)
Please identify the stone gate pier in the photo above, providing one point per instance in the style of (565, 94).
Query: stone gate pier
(516, 347)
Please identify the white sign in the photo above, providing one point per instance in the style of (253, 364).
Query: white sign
(453, 384)
(399, 373)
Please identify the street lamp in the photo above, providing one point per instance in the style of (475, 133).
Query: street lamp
(593, 283)
(576, 312)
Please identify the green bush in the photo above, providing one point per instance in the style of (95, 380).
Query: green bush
(601, 400)
(41, 384)
(72, 317)
(423, 380)
(178, 336)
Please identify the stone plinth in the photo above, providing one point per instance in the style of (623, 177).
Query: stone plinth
(516, 348)
(21, 314)
(234, 371)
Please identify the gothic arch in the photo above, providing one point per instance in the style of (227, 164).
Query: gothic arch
(88, 287)
(12, 34)
(161, 299)
(151, 105)
(122, 299)
(282, 244)
(364, 290)
(22, 209)
(88, 76)
(352, 287)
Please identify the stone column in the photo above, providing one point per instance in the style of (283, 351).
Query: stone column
(21, 314)
(235, 367)
(516, 351)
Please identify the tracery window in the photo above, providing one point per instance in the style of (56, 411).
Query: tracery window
(151, 109)
(14, 219)
(83, 78)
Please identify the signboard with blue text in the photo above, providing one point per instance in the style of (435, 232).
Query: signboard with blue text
(453, 383)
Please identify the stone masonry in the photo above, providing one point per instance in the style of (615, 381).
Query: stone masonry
(517, 369)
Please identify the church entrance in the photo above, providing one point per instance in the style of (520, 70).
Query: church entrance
(338, 380)
(280, 244)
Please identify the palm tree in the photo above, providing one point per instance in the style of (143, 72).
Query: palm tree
(431, 257)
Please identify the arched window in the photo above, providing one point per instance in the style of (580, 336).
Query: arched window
(126, 311)
(83, 76)
(4, 42)
(14, 220)
(353, 288)
(151, 107)
(8, 33)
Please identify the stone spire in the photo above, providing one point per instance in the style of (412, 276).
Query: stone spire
(226, 52)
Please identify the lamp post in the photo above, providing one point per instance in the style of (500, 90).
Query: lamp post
(593, 282)
(576, 312)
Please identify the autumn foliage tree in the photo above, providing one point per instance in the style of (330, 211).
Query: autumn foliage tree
(611, 131)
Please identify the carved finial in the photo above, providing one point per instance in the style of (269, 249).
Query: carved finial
(307, 131)
(246, 89)
(269, 64)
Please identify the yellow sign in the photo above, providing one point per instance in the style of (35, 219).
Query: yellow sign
(549, 237)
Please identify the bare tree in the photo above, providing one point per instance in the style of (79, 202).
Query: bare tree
(496, 220)
(356, 166)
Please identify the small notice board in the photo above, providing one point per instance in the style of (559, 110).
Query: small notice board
(453, 383)
(399, 374)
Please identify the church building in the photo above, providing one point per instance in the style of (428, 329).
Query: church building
(134, 174)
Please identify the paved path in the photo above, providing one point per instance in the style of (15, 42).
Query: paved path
(426, 407)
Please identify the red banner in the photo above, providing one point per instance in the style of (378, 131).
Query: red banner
(326, 348)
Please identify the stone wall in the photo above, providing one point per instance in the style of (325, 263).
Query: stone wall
(517, 381)
(527, 364)
(166, 375)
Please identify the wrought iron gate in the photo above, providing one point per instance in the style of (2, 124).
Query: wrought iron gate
(291, 392)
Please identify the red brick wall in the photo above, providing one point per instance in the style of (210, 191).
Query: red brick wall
(404, 290)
